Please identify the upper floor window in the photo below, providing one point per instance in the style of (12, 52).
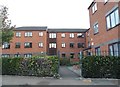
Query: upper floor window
(81, 45)
(80, 35)
(17, 45)
(18, 34)
(40, 34)
(113, 19)
(6, 45)
(94, 8)
(63, 45)
(28, 34)
(71, 45)
(95, 27)
(71, 35)
(40, 44)
(52, 45)
(63, 35)
(52, 35)
(28, 45)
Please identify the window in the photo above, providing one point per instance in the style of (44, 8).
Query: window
(6, 45)
(17, 45)
(5, 55)
(78, 55)
(18, 34)
(63, 45)
(63, 55)
(114, 49)
(28, 45)
(40, 34)
(52, 35)
(94, 8)
(71, 35)
(71, 45)
(52, 45)
(81, 45)
(63, 35)
(29, 55)
(95, 27)
(106, 1)
(72, 55)
(40, 44)
(28, 34)
(113, 19)
(17, 55)
(79, 35)
(97, 51)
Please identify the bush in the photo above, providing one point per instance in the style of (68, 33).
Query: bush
(64, 61)
(35, 66)
(101, 67)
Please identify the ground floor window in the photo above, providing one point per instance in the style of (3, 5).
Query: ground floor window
(17, 55)
(5, 55)
(97, 51)
(72, 55)
(114, 49)
(63, 55)
(28, 55)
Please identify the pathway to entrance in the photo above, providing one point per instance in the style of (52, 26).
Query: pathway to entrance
(65, 73)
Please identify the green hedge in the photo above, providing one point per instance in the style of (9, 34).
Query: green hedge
(30, 66)
(101, 67)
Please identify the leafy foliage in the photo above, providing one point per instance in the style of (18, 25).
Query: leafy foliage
(101, 67)
(30, 66)
(6, 30)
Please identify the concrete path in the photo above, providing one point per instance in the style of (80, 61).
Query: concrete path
(65, 73)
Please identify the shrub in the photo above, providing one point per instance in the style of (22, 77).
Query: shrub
(64, 61)
(35, 66)
(101, 67)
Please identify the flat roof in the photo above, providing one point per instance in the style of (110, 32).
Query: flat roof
(31, 28)
(68, 30)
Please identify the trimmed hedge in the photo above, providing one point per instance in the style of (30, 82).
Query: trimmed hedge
(101, 67)
(35, 66)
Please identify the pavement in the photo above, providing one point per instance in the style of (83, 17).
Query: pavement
(68, 77)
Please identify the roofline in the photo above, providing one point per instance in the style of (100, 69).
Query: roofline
(91, 4)
(67, 30)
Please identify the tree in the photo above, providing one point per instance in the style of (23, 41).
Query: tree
(6, 30)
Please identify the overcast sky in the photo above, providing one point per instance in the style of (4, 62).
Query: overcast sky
(51, 13)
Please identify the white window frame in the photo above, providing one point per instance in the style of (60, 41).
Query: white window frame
(18, 34)
(40, 44)
(28, 34)
(40, 34)
(28, 55)
(52, 35)
(94, 8)
(71, 35)
(63, 45)
(52, 45)
(113, 19)
(63, 35)
(96, 28)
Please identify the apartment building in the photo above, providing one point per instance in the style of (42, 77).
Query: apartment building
(29, 41)
(103, 37)
(67, 42)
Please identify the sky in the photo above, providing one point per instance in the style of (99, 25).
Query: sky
(51, 13)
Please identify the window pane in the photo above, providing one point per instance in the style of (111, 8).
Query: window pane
(117, 17)
(115, 49)
(108, 22)
(111, 50)
(112, 20)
